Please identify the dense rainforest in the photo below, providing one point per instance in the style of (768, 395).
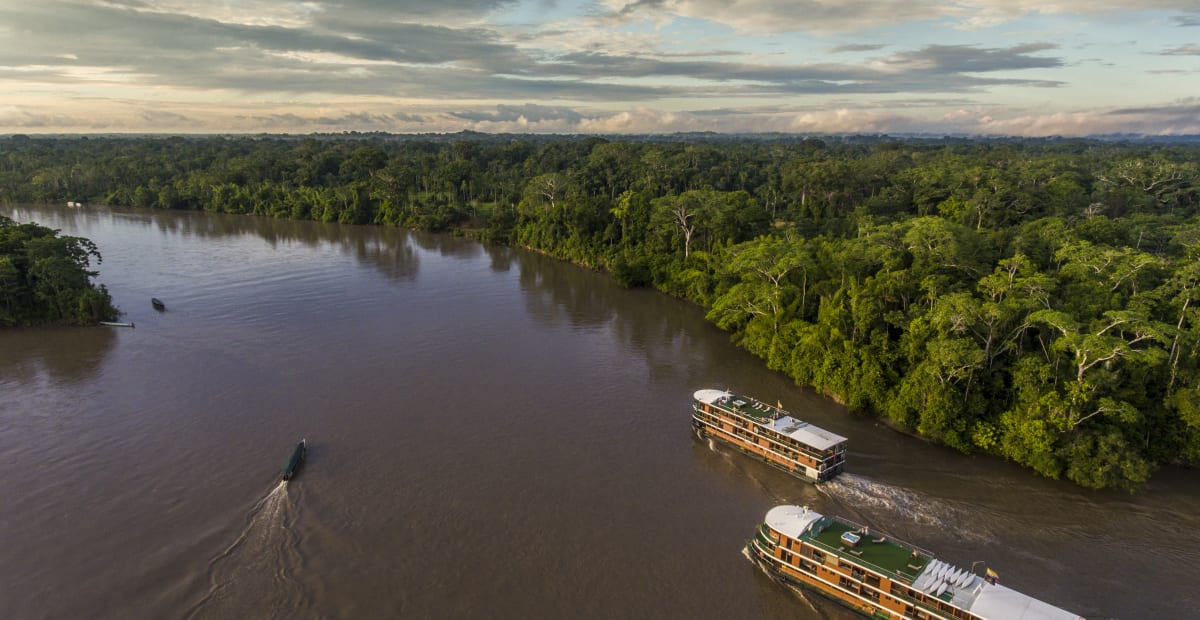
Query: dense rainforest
(1032, 299)
(44, 278)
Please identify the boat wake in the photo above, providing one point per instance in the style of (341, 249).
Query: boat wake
(800, 593)
(852, 491)
(253, 577)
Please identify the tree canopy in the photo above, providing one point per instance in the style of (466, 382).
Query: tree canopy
(44, 278)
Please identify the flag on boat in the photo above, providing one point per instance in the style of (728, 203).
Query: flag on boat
(992, 576)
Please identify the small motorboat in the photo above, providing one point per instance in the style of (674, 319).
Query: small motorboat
(158, 304)
(293, 463)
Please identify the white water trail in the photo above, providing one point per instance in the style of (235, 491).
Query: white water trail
(253, 577)
(799, 592)
(858, 491)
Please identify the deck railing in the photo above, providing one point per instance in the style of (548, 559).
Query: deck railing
(931, 609)
(821, 457)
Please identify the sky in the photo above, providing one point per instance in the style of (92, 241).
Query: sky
(962, 67)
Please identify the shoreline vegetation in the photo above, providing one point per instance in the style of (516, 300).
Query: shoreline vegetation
(45, 280)
(1032, 299)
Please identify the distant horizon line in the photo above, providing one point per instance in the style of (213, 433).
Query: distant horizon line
(712, 134)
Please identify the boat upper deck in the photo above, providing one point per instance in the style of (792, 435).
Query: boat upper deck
(880, 553)
(772, 417)
(877, 552)
(906, 563)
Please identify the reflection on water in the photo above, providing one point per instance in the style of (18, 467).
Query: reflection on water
(388, 250)
(448, 246)
(65, 355)
(558, 296)
(502, 257)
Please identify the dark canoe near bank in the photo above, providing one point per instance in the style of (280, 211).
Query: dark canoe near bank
(157, 303)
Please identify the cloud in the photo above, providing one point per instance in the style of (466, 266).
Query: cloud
(1191, 18)
(1189, 107)
(357, 120)
(839, 16)
(343, 121)
(162, 118)
(18, 117)
(311, 13)
(850, 121)
(341, 56)
(530, 112)
(1176, 118)
(405, 117)
(1182, 50)
(973, 59)
(773, 16)
(193, 51)
(857, 48)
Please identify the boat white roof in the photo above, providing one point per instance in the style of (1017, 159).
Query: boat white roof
(997, 601)
(792, 521)
(987, 600)
(806, 433)
(710, 396)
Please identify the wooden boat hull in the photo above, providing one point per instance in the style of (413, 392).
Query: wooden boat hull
(295, 460)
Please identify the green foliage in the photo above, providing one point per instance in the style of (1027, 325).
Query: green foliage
(44, 278)
(1104, 459)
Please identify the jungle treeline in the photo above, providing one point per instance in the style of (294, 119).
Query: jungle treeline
(1031, 299)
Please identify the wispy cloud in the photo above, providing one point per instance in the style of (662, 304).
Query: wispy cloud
(1189, 19)
(857, 47)
(1182, 50)
(834, 16)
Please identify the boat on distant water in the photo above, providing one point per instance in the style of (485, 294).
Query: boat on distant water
(880, 576)
(294, 461)
(157, 303)
(115, 324)
(769, 433)
(74, 204)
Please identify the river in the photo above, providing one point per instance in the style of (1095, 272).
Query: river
(492, 433)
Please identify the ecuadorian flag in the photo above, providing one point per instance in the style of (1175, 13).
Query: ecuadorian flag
(992, 576)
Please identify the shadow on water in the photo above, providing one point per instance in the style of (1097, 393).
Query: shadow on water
(257, 571)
